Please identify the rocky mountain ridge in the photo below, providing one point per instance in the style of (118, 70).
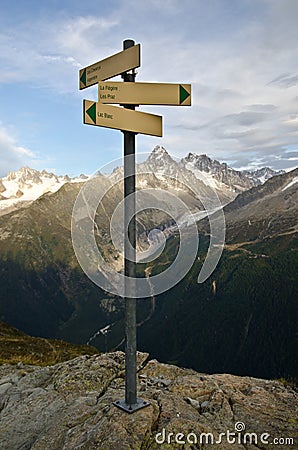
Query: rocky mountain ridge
(276, 184)
(22, 187)
(19, 188)
(212, 173)
(263, 174)
(69, 406)
(217, 173)
(264, 211)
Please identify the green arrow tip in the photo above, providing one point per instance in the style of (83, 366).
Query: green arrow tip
(92, 112)
(183, 94)
(83, 78)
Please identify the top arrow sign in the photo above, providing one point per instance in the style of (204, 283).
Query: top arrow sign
(110, 67)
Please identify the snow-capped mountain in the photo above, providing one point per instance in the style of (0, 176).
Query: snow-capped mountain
(27, 185)
(166, 169)
(161, 163)
(259, 176)
(193, 172)
(218, 175)
(212, 172)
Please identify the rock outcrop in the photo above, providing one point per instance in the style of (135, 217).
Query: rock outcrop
(69, 406)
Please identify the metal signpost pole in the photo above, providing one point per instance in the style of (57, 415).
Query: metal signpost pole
(132, 402)
(129, 254)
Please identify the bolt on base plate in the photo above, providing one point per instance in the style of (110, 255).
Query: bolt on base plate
(131, 408)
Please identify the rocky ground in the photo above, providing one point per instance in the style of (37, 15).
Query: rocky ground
(69, 406)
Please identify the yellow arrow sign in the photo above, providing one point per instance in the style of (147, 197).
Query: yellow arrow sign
(144, 93)
(122, 119)
(110, 67)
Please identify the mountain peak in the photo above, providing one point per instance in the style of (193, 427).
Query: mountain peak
(203, 161)
(160, 157)
(27, 184)
(190, 157)
(23, 174)
(159, 151)
(27, 175)
(262, 174)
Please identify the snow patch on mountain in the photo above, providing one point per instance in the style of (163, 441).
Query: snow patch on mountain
(207, 178)
(27, 185)
(294, 181)
(260, 176)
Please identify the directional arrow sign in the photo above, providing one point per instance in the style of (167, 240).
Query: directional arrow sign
(122, 119)
(110, 67)
(144, 93)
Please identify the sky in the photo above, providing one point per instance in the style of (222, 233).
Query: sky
(240, 56)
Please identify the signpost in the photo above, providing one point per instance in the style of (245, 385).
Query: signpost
(144, 93)
(128, 94)
(122, 119)
(111, 67)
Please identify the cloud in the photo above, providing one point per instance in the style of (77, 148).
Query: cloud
(260, 107)
(240, 57)
(11, 153)
(285, 80)
(51, 61)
